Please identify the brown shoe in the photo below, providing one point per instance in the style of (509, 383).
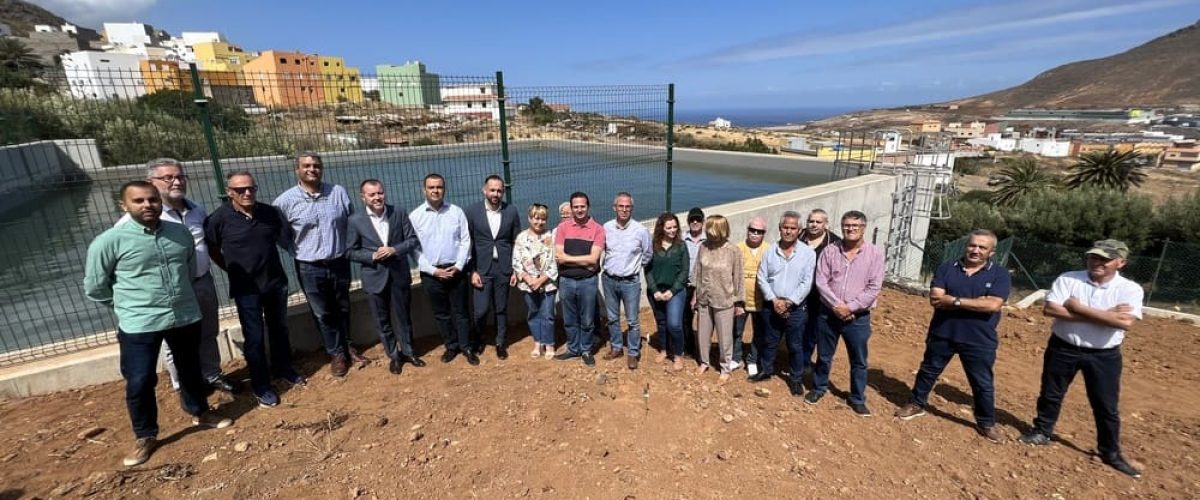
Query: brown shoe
(991, 434)
(359, 359)
(142, 449)
(338, 366)
(632, 362)
(612, 354)
(909, 412)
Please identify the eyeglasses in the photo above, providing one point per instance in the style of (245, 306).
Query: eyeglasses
(853, 226)
(244, 190)
(171, 178)
(759, 232)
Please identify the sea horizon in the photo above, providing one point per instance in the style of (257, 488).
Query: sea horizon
(760, 117)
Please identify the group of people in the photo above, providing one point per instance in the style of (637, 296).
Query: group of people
(810, 289)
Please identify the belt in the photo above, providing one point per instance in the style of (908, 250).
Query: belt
(323, 262)
(444, 266)
(631, 277)
(1058, 342)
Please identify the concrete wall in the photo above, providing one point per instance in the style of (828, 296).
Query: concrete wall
(871, 194)
(25, 168)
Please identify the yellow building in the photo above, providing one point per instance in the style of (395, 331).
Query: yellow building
(220, 56)
(164, 75)
(341, 83)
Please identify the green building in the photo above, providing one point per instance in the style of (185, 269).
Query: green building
(408, 85)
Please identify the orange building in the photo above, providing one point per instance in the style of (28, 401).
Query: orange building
(285, 79)
(164, 75)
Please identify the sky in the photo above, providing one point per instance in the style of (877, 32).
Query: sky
(721, 55)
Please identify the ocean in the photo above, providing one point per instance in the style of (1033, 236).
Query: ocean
(768, 117)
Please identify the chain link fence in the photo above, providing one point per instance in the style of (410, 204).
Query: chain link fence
(1169, 276)
(69, 143)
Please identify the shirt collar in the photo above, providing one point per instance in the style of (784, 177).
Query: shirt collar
(958, 263)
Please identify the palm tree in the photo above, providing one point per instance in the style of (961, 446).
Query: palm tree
(18, 65)
(1110, 169)
(1019, 178)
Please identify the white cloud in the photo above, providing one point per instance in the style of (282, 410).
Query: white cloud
(94, 13)
(957, 24)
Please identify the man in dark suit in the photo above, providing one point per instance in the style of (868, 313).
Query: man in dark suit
(494, 226)
(380, 239)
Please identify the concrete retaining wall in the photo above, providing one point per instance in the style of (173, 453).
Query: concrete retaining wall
(26, 168)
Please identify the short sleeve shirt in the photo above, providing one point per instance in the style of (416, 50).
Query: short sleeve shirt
(960, 325)
(249, 246)
(578, 239)
(1118, 290)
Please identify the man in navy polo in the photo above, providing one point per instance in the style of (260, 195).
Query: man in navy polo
(966, 296)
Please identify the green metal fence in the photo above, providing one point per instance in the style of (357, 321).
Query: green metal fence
(1169, 276)
(69, 143)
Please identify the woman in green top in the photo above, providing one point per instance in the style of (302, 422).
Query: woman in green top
(666, 280)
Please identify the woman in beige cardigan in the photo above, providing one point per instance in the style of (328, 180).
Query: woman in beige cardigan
(719, 294)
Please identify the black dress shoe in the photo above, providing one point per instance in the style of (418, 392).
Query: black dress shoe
(761, 377)
(796, 387)
(395, 366)
(449, 356)
(1118, 462)
(222, 384)
(472, 358)
(415, 361)
(501, 353)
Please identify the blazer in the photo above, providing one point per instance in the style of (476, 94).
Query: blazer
(482, 241)
(362, 241)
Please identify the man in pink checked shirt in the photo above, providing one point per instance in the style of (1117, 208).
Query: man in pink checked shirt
(849, 277)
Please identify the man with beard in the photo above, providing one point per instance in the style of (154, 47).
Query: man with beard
(494, 226)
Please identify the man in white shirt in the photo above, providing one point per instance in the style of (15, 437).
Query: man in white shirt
(445, 250)
(626, 253)
(1092, 309)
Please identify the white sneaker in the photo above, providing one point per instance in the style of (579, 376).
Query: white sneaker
(752, 369)
(537, 350)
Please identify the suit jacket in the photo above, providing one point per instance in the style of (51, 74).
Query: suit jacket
(482, 241)
(362, 240)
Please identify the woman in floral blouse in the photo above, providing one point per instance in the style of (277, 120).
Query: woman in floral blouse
(720, 293)
(536, 270)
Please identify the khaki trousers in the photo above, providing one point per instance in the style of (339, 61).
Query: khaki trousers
(720, 320)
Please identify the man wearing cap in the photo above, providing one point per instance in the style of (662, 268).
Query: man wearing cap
(693, 239)
(1092, 309)
(966, 295)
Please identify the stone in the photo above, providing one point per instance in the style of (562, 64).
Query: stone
(241, 446)
(90, 432)
(381, 421)
(415, 436)
(210, 457)
(727, 418)
(762, 392)
(601, 379)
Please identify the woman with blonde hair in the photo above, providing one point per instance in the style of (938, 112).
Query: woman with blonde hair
(666, 286)
(537, 271)
(720, 291)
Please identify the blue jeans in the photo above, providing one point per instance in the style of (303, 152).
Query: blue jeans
(618, 292)
(856, 333)
(977, 361)
(252, 309)
(579, 312)
(326, 286)
(812, 330)
(790, 329)
(668, 319)
(540, 307)
(739, 329)
(139, 360)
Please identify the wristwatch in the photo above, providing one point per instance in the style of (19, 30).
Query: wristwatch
(957, 302)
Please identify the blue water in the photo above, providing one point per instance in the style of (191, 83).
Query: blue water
(760, 117)
(42, 248)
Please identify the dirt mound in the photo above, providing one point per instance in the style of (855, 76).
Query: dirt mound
(554, 429)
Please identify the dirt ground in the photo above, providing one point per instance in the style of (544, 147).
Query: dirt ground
(555, 429)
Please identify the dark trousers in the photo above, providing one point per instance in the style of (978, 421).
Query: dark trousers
(689, 333)
(139, 360)
(252, 309)
(791, 329)
(1101, 377)
(492, 297)
(398, 294)
(326, 286)
(450, 300)
(739, 329)
(856, 333)
(812, 331)
(977, 361)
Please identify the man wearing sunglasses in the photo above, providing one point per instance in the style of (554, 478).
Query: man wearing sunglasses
(752, 250)
(242, 237)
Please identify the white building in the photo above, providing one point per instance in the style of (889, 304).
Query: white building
(478, 101)
(132, 34)
(995, 140)
(891, 141)
(102, 75)
(1050, 148)
(721, 123)
(369, 83)
(191, 38)
(971, 130)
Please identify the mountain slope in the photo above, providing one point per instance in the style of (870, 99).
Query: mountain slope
(1161, 72)
(21, 16)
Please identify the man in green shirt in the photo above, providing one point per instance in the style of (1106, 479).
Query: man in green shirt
(142, 268)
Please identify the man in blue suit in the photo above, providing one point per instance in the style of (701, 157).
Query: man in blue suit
(494, 226)
(380, 239)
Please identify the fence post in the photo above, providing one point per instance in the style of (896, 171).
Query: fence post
(504, 137)
(1157, 268)
(206, 123)
(670, 140)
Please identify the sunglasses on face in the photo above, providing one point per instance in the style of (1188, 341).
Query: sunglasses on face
(754, 231)
(244, 190)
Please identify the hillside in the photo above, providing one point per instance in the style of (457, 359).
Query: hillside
(21, 16)
(1159, 73)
